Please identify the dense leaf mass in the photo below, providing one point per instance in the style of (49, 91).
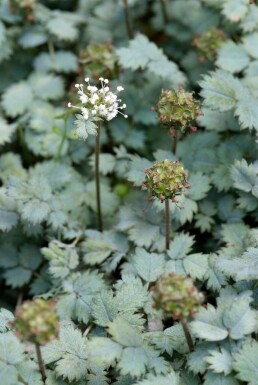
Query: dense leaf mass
(196, 63)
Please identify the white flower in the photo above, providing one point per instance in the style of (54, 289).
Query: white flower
(97, 103)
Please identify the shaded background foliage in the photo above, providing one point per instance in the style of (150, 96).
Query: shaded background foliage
(49, 245)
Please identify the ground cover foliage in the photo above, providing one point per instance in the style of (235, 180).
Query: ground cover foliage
(101, 281)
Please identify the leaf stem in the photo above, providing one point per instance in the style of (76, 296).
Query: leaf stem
(188, 336)
(167, 215)
(97, 180)
(164, 11)
(127, 20)
(41, 363)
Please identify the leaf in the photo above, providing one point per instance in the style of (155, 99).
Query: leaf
(239, 319)
(6, 132)
(104, 308)
(220, 90)
(208, 325)
(250, 43)
(133, 361)
(33, 37)
(62, 258)
(196, 265)
(243, 175)
(70, 352)
(137, 167)
(61, 61)
(245, 362)
(5, 318)
(232, 57)
(247, 113)
(143, 234)
(220, 362)
(124, 333)
(140, 52)
(62, 28)
(11, 354)
(46, 86)
(151, 379)
(197, 359)
(79, 289)
(181, 246)
(200, 185)
(103, 350)
(149, 266)
(235, 10)
(220, 379)
(17, 99)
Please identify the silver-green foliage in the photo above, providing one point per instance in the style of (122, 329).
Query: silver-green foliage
(110, 333)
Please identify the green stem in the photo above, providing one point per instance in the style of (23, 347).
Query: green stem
(188, 336)
(167, 214)
(164, 11)
(97, 180)
(127, 20)
(41, 363)
(59, 152)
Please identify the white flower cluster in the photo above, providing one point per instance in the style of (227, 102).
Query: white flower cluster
(99, 103)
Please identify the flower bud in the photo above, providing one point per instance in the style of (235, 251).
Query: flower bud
(37, 321)
(177, 109)
(177, 296)
(165, 179)
(208, 43)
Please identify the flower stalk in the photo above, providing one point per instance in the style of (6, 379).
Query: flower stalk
(41, 363)
(127, 20)
(167, 215)
(97, 180)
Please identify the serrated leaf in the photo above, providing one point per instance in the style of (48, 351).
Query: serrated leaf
(6, 132)
(124, 333)
(240, 319)
(133, 361)
(245, 362)
(17, 99)
(220, 90)
(5, 318)
(60, 61)
(46, 86)
(220, 361)
(149, 266)
(247, 113)
(70, 352)
(104, 308)
(208, 325)
(250, 42)
(62, 29)
(103, 350)
(232, 57)
(243, 175)
(220, 379)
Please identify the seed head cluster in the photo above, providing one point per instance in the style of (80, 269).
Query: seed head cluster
(178, 110)
(165, 179)
(99, 103)
(37, 321)
(177, 296)
(208, 44)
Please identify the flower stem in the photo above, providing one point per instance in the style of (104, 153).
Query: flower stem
(175, 141)
(98, 202)
(59, 152)
(188, 336)
(167, 214)
(164, 11)
(127, 20)
(41, 363)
